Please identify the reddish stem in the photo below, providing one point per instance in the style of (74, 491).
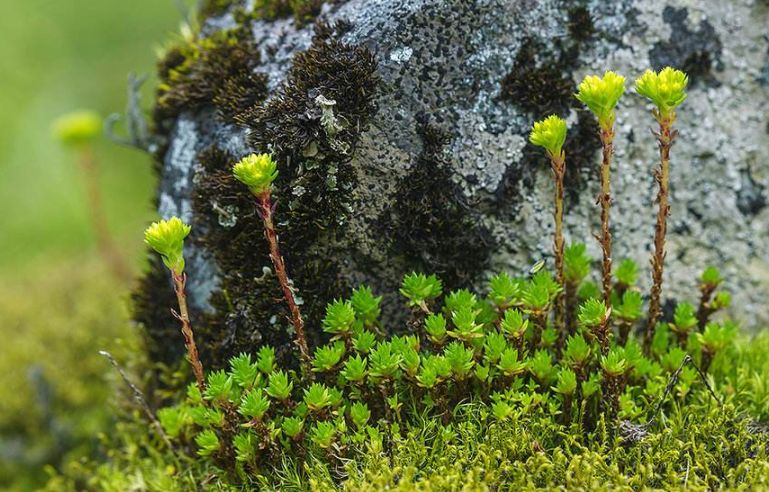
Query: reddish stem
(558, 166)
(267, 213)
(180, 281)
(607, 139)
(665, 138)
(95, 206)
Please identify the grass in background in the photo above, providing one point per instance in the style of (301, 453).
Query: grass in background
(56, 56)
(53, 393)
(58, 304)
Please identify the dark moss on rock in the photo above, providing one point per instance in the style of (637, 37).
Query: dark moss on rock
(581, 25)
(218, 70)
(538, 87)
(431, 222)
(311, 126)
(210, 8)
(291, 123)
(303, 11)
(541, 90)
(696, 52)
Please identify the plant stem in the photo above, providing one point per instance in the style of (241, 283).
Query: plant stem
(607, 139)
(665, 138)
(95, 206)
(267, 213)
(705, 310)
(566, 409)
(558, 165)
(614, 386)
(180, 281)
(539, 320)
(570, 316)
(625, 327)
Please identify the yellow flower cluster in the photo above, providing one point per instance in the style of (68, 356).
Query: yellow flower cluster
(77, 128)
(601, 95)
(549, 133)
(665, 89)
(257, 172)
(167, 238)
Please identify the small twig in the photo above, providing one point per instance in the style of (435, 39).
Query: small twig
(672, 382)
(139, 397)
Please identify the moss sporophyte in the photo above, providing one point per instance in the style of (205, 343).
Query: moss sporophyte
(258, 173)
(601, 96)
(166, 237)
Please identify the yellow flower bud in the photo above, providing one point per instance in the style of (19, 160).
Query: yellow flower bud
(167, 238)
(665, 89)
(601, 95)
(549, 133)
(257, 172)
(77, 128)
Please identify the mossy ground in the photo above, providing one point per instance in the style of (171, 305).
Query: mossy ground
(698, 444)
(55, 387)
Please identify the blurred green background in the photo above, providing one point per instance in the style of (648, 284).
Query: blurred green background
(59, 303)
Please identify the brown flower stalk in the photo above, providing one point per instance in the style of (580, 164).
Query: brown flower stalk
(665, 138)
(550, 134)
(267, 212)
(666, 89)
(95, 205)
(607, 139)
(558, 166)
(258, 173)
(167, 238)
(180, 282)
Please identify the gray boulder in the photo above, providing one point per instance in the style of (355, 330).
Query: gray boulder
(431, 169)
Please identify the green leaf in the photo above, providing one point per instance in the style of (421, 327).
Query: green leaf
(208, 442)
(419, 288)
(254, 404)
(366, 306)
(339, 319)
(279, 387)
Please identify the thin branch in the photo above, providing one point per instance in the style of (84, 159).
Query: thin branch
(139, 397)
(672, 382)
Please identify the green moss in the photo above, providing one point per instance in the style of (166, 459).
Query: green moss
(432, 222)
(303, 11)
(699, 445)
(539, 87)
(216, 70)
(211, 8)
(55, 390)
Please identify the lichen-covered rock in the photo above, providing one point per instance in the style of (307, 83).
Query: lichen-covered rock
(401, 128)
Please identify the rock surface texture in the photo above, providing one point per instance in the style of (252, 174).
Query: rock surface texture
(410, 152)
